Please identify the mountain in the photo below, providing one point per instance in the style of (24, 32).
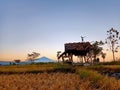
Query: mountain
(44, 60)
(40, 60)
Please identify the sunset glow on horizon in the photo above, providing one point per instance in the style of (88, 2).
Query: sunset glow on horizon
(44, 26)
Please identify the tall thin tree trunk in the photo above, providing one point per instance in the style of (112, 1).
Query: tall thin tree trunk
(113, 52)
(113, 55)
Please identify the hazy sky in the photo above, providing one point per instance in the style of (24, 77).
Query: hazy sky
(44, 26)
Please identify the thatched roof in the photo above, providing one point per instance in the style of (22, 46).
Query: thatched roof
(80, 46)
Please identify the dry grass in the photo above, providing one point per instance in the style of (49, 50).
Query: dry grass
(61, 77)
(98, 81)
(58, 81)
(43, 81)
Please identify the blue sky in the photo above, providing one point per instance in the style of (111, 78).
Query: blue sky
(45, 25)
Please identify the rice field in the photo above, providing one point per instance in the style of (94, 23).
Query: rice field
(54, 77)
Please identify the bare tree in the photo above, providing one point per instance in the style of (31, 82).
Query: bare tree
(113, 41)
(58, 53)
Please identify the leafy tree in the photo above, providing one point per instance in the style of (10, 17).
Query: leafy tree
(33, 56)
(113, 41)
(17, 61)
(96, 51)
(103, 55)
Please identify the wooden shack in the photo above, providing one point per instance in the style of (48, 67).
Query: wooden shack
(77, 49)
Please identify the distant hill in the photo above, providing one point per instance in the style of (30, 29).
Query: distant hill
(44, 60)
(4, 62)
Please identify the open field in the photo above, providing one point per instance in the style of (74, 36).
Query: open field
(56, 77)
